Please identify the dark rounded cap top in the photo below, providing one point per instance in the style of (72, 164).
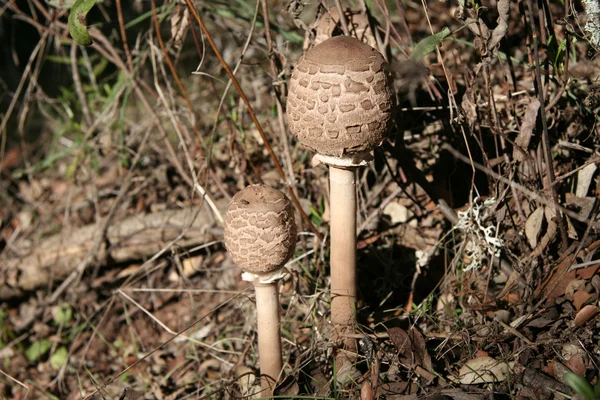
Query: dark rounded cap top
(260, 231)
(341, 99)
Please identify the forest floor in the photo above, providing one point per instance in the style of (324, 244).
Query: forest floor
(478, 247)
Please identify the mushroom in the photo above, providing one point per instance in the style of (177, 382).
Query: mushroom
(260, 235)
(341, 104)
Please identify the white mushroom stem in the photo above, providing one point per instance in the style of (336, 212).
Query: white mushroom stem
(269, 339)
(343, 249)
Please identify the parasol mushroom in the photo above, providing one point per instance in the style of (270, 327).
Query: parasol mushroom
(260, 235)
(341, 105)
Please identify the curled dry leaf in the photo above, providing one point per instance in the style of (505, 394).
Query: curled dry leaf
(526, 131)
(180, 20)
(401, 341)
(483, 370)
(585, 314)
(366, 391)
(500, 30)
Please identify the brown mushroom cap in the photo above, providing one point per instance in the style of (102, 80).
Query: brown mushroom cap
(260, 230)
(341, 99)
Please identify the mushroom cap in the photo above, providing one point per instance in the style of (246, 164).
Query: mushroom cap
(260, 230)
(341, 99)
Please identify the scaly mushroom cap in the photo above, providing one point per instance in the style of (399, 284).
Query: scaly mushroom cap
(341, 100)
(260, 231)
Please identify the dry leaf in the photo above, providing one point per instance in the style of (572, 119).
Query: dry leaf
(533, 226)
(574, 286)
(179, 23)
(190, 266)
(411, 347)
(422, 357)
(366, 391)
(500, 30)
(577, 365)
(397, 212)
(246, 379)
(401, 341)
(288, 388)
(584, 179)
(580, 297)
(483, 370)
(526, 131)
(585, 314)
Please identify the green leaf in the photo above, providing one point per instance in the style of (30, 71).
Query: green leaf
(579, 385)
(38, 349)
(77, 29)
(59, 358)
(63, 314)
(428, 44)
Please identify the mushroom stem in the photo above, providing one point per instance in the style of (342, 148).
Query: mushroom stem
(269, 339)
(343, 251)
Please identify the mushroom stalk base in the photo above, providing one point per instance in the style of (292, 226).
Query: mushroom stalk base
(269, 337)
(343, 253)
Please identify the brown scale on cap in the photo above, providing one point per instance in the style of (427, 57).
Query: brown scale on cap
(260, 230)
(341, 99)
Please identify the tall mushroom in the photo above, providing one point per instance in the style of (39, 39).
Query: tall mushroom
(260, 235)
(340, 104)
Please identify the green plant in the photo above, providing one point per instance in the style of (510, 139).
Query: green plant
(582, 387)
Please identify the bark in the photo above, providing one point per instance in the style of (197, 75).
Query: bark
(25, 267)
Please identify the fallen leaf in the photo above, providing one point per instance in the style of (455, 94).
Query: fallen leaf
(483, 370)
(577, 365)
(190, 265)
(556, 284)
(585, 314)
(288, 388)
(246, 379)
(580, 297)
(11, 159)
(366, 391)
(419, 347)
(533, 226)
(401, 341)
(584, 179)
(540, 322)
(574, 286)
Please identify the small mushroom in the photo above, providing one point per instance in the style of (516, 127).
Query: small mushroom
(260, 235)
(341, 104)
